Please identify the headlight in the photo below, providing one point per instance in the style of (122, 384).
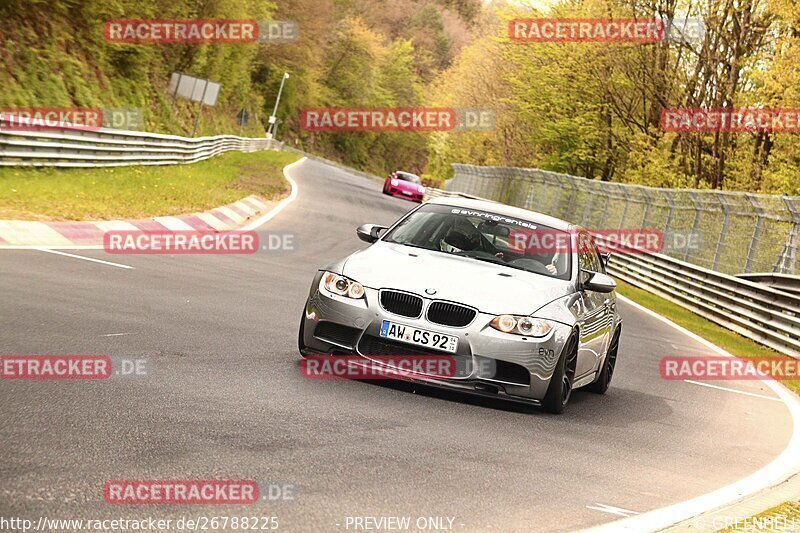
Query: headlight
(394, 183)
(421, 189)
(522, 325)
(342, 286)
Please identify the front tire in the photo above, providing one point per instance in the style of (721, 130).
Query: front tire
(607, 372)
(560, 389)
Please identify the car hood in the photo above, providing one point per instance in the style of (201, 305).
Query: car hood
(493, 289)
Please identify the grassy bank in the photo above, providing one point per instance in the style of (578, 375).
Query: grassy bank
(140, 191)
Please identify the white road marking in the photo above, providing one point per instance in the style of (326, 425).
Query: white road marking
(779, 470)
(619, 511)
(732, 390)
(114, 334)
(93, 260)
(266, 217)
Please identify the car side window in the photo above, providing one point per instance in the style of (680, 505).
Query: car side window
(601, 262)
(587, 254)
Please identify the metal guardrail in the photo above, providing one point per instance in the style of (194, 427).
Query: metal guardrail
(76, 146)
(781, 282)
(764, 314)
(431, 192)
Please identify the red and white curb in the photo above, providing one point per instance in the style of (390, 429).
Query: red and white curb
(66, 235)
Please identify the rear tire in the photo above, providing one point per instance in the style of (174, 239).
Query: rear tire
(560, 389)
(607, 372)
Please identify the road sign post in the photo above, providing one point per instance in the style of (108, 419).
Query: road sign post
(270, 131)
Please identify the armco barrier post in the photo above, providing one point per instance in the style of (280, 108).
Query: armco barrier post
(696, 221)
(725, 223)
(587, 206)
(751, 252)
(604, 216)
(648, 202)
(671, 204)
(556, 196)
(573, 195)
(625, 209)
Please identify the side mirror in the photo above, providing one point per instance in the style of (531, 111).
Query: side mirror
(370, 232)
(599, 282)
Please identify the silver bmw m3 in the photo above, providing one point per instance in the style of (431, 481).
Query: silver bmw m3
(518, 300)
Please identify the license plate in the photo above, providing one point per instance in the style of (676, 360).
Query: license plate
(407, 193)
(420, 337)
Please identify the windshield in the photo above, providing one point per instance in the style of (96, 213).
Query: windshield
(486, 236)
(407, 177)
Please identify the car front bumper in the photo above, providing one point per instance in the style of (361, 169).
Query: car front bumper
(402, 193)
(497, 364)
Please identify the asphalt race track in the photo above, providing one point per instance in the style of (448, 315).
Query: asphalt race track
(223, 398)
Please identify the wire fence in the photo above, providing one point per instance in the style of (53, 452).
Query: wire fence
(729, 232)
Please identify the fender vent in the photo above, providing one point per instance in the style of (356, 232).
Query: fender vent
(336, 333)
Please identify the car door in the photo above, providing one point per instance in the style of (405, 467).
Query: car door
(610, 301)
(594, 320)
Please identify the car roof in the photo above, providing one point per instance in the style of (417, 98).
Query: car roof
(506, 210)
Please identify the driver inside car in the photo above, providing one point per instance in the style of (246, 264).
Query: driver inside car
(550, 261)
(464, 237)
(555, 266)
(460, 239)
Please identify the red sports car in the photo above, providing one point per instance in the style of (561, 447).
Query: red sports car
(404, 185)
